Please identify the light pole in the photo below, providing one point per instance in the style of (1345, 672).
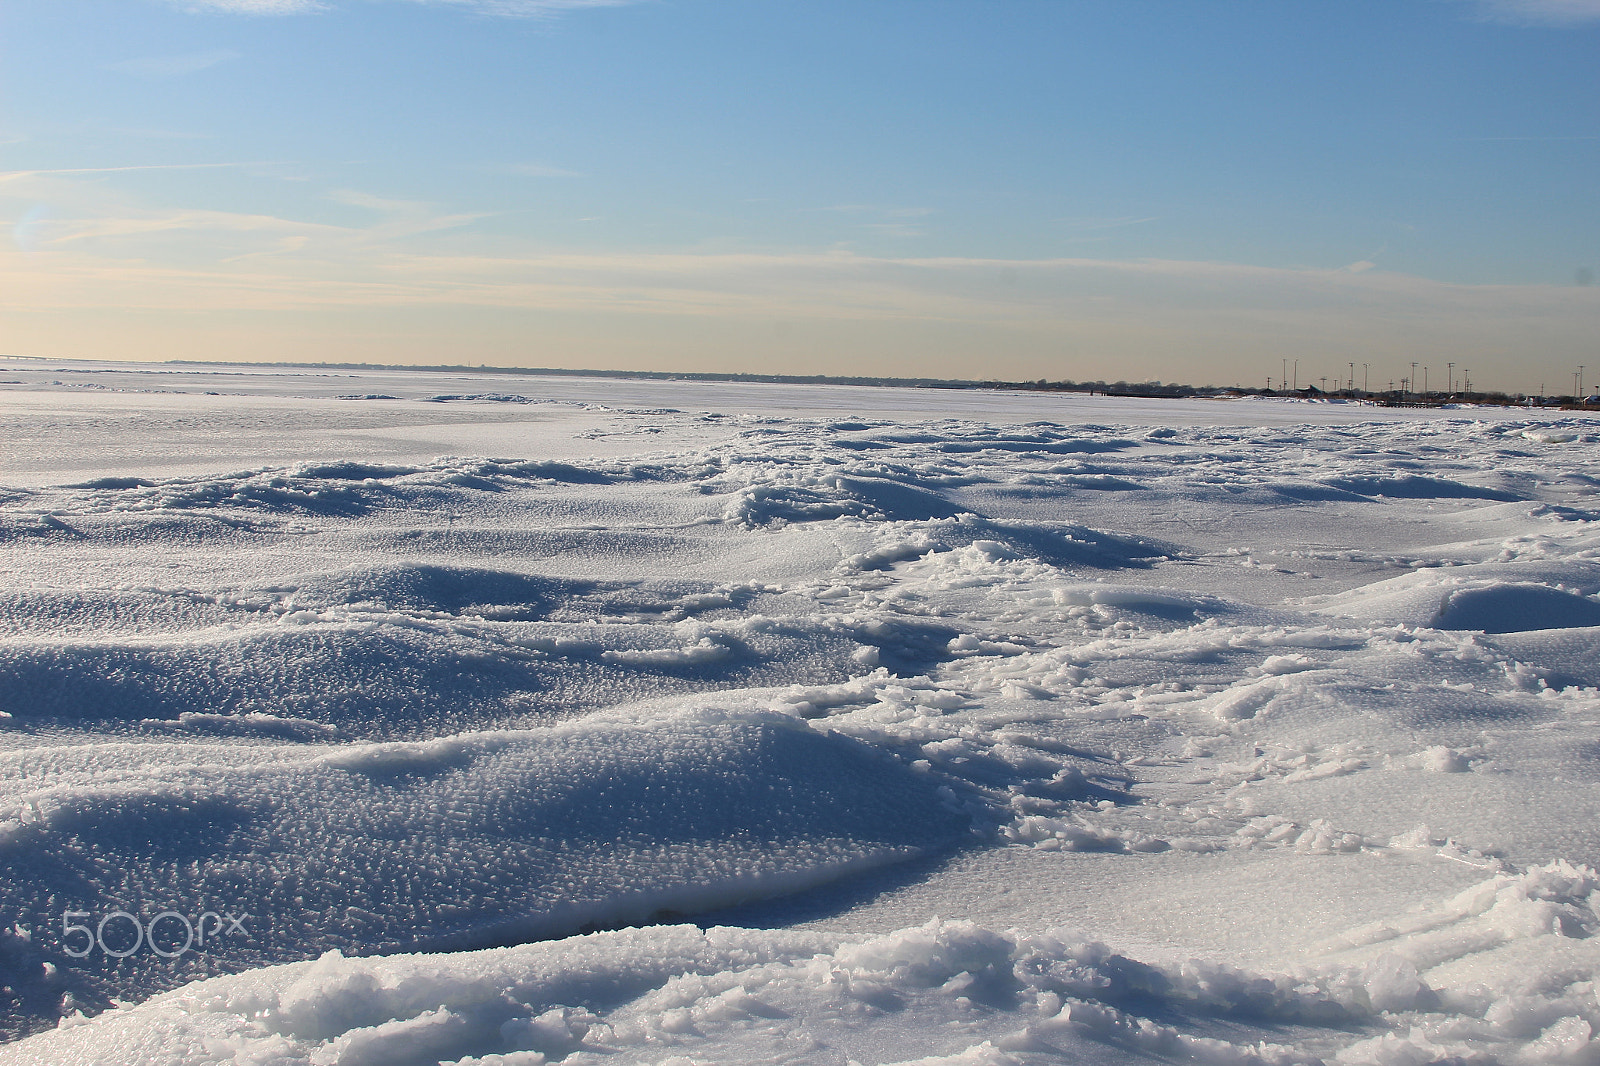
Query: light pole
(1413, 379)
(1364, 389)
(1297, 375)
(1451, 387)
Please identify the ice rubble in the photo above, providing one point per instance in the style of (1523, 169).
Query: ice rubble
(402, 704)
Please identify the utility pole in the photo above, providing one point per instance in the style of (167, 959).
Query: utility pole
(1580, 382)
(1297, 375)
(1364, 389)
(1451, 387)
(1413, 375)
(1575, 374)
(1466, 382)
(1424, 383)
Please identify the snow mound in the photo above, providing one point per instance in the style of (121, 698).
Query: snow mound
(1417, 487)
(245, 725)
(457, 841)
(1515, 608)
(399, 651)
(1562, 657)
(1054, 544)
(1495, 597)
(828, 496)
(428, 589)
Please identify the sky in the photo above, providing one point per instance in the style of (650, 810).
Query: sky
(1202, 191)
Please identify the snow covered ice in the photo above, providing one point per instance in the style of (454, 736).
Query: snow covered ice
(530, 719)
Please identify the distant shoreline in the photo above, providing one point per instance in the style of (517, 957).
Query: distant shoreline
(1138, 390)
(1127, 389)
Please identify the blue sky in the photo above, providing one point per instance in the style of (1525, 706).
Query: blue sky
(1177, 190)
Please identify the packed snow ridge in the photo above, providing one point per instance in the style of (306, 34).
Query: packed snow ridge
(415, 728)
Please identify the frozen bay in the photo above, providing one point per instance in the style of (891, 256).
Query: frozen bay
(749, 723)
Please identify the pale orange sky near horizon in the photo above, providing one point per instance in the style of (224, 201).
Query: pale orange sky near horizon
(1203, 323)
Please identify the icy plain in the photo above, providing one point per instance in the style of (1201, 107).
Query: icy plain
(521, 720)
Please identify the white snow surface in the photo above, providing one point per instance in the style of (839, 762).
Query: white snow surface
(964, 727)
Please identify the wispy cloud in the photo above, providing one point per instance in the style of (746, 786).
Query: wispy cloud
(401, 218)
(885, 212)
(1540, 12)
(251, 7)
(356, 198)
(527, 8)
(15, 175)
(892, 222)
(1097, 222)
(152, 133)
(539, 170)
(173, 66)
(101, 221)
(894, 229)
(204, 222)
(504, 8)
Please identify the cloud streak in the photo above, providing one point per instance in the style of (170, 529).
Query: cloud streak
(173, 66)
(527, 8)
(540, 170)
(502, 8)
(17, 175)
(1541, 12)
(251, 7)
